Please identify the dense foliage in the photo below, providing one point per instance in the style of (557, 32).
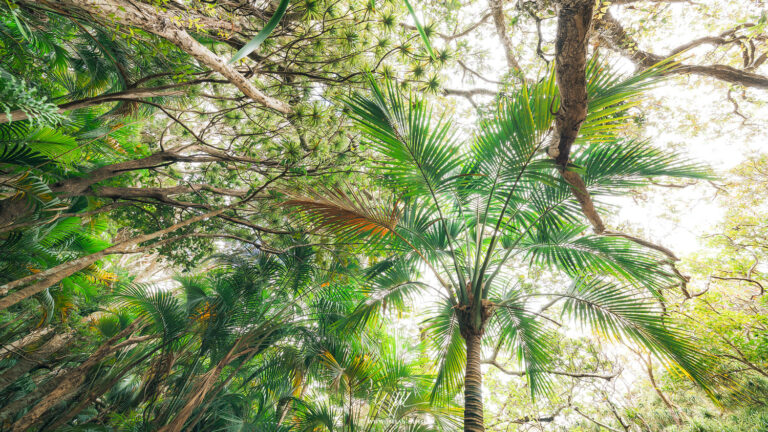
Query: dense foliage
(317, 216)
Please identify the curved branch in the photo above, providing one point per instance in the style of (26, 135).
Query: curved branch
(170, 27)
(553, 372)
(612, 34)
(500, 22)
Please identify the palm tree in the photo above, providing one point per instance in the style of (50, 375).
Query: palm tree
(467, 210)
(370, 387)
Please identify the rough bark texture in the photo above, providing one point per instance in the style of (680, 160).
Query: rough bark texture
(574, 20)
(26, 340)
(579, 190)
(28, 361)
(573, 26)
(163, 24)
(611, 33)
(59, 419)
(473, 384)
(70, 382)
(9, 411)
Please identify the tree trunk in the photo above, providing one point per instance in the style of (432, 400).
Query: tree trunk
(574, 20)
(9, 411)
(38, 282)
(500, 22)
(612, 34)
(19, 344)
(473, 385)
(28, 361)
(14, 209)
(64, 388)
(203, 386)
(89, 397)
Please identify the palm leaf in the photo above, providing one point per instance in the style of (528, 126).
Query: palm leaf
(262, 35)
(624, 313)
(619, 164)
(420, 29)
(449, 350)
(351, 216)
(423, 155)
(569, 250)
(526, 337)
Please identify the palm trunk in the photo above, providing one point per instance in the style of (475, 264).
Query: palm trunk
(89, 397)
(473, 385)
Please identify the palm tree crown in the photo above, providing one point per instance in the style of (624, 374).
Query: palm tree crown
(470, 210)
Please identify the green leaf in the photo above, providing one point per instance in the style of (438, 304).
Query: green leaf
(421, 30)
(263, 34)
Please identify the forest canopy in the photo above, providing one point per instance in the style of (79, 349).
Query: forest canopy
(383, 215)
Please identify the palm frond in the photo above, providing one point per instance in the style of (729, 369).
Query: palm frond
(351, 216)
(626, 314)
(618, 164)
(576, 253)
(449, 350)
(423, 155)
(523, 334)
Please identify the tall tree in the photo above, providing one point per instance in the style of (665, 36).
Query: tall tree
(469, 210)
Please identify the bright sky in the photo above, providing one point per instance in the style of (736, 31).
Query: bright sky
(690, 115)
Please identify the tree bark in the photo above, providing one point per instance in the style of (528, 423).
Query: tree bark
(131, 94)
(573, 27)
(29, 360)
(19, 344)
(69, 383)
(612, 34)
(38, 282)
(473, 384)
(12, 210)
(574, 19)
(500, 22)
(166, 25)
(8, 411)
(91, 396)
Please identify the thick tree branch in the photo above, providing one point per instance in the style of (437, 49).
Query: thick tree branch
(573, 24)
(163, 192)
(35, 283)
(38, 282)
(170, 27)
(611, 33)
(500, 23)
(131, 94)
